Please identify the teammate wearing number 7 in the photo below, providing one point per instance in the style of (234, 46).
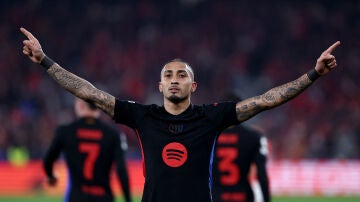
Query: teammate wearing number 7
(90, 147)
(178, 137)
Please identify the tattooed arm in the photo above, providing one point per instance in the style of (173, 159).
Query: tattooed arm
(281, 94)
(82, 89)
(72, 83)
(272, 98)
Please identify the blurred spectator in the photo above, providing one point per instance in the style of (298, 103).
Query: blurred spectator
(233, 44)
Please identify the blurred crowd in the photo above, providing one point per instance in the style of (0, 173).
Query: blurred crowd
(244, 46)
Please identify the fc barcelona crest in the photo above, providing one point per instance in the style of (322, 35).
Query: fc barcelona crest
(176, 128)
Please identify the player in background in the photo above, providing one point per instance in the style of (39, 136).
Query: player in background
(238, 148)
(90, 147)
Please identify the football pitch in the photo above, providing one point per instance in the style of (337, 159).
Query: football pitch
(43, 198)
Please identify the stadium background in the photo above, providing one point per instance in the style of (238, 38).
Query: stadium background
(248, 46)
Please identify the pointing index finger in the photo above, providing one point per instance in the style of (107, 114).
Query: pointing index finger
(27, 33)
(333, 47)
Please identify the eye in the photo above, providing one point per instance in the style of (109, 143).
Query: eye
(167, 75)
(182, 75)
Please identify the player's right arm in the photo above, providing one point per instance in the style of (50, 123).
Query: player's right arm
(78, 86)
(51, 155)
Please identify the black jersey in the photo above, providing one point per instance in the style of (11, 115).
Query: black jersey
(176, 148)
(90, 147)
(237, 148)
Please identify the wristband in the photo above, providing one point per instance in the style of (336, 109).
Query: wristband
(313, 75)
(46, 62)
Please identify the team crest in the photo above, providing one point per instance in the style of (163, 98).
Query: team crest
(176, 128)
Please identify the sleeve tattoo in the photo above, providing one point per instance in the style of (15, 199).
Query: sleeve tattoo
(272, 98)
(82, 89)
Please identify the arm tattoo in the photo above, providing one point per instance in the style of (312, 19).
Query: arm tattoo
(82, 89)
(272, 98)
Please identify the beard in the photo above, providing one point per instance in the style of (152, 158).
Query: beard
(176, 99)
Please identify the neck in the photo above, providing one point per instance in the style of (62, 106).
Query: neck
(92, 114)
(178, 108)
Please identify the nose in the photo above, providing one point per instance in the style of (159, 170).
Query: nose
(174, 80)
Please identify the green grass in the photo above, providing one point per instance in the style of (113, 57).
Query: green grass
(43, 198)
(316, 199)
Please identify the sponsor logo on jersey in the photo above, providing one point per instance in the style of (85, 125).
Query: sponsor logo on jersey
(174, 154)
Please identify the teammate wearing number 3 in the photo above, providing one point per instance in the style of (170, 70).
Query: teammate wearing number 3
(90, 147)
(238, 149)
(177, 138)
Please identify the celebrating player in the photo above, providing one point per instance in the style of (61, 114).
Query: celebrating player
(177, 138)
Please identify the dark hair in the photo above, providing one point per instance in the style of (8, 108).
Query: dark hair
(183, 61)
(91, 105)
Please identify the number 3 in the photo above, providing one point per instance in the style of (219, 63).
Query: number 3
(230, 171)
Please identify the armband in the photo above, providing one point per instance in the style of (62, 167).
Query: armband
(46, 62)
(313, 75)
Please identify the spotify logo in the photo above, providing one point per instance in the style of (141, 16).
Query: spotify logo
(174, 154)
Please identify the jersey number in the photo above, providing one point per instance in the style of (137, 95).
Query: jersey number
(92, 152)
(229, 169)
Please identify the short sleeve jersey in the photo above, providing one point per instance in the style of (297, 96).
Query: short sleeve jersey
(176, 149)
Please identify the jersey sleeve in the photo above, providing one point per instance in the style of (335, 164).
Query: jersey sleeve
(127, 112)
(223, 114)
(53, 152)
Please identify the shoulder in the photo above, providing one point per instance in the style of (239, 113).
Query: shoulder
(246, 131)
(218, 105)
(253, 131)
(129, 103)
(130, 112)
(61, 131)
(64, 127)
(106, 127)
(153, 107)
(132, 106)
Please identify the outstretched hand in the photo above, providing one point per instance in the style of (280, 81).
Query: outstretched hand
(326, 62)
(32, 47)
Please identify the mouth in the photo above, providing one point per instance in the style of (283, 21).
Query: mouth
(174, 89)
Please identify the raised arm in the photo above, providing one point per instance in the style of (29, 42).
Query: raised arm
(281, 94)
(72, 83)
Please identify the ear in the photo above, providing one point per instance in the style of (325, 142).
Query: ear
(193, 87)
(160, 87)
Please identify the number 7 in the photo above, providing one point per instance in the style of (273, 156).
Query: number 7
(92, 150)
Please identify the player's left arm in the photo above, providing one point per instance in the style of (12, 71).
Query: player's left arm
(260, 161)
(281, 94)
(121, 169)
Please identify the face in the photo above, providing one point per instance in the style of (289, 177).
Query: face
(82, 109)
(176, 82)
(78, 106)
